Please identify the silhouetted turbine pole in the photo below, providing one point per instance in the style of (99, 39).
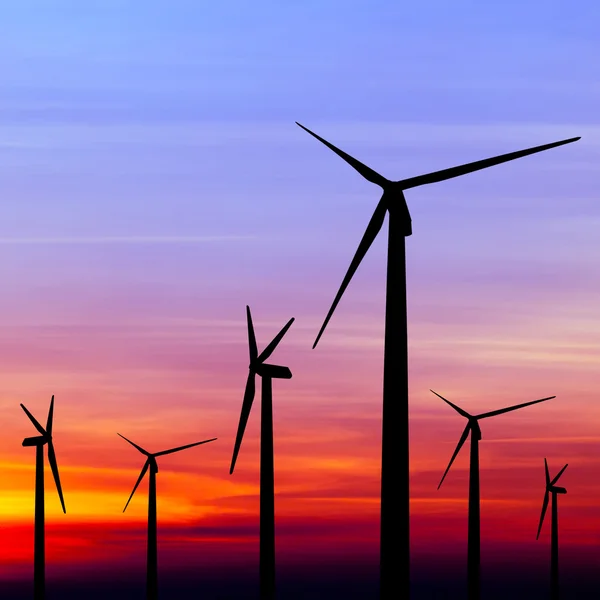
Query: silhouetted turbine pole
(152, 544)
(553, 489)
(267, 492)
(554, 549)
(474, 527)
(39, 550)
(395, 471)
(267, 373)
(474, 531)
(152, 548)
(39, 543)
(395, 515)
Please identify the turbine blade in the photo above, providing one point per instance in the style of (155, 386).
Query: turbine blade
(135, 487)
(365, 171)
(501, 411)
(182, 447)
(458, 409)
(145, 452)
(444, 174)
(544, 507)
(54, 467)
(369, 236)
(50, 416)
(547, 473)
(251, 336)
(274, 342)
(34, 421)
(246, 406)
(461, 441)
(559, 474)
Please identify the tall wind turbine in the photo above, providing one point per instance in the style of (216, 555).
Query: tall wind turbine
(39, 549)
(394, 525)
(267, 373)
(152, 556)
(554, 490)
(472, 427)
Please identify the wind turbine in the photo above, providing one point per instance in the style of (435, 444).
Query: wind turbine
(472, 427)
(152, 556)
(267, 373)
(39, 441)
(554, 490)
(394, 524)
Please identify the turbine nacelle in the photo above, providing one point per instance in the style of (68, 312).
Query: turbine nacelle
(395, 202)
(273, 371)
(38, 440)
(475, 429)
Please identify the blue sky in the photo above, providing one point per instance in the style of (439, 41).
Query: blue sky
(176, 120)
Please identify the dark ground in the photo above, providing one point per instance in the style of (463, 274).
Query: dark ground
(298, 588)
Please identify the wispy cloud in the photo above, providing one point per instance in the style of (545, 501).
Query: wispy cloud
(130, 239)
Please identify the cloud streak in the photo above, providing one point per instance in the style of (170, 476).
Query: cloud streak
(149, 239)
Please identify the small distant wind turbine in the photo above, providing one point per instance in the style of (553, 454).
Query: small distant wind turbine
(554, 490)
(152, 560)
(395, 496)
(39, 441)
(267, 485)
(474, 536)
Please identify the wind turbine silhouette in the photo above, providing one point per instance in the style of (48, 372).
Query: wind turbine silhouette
(39, 441)
(554, 490)
(152, 554)
(267, 485)
(395, 520)
(474, 536)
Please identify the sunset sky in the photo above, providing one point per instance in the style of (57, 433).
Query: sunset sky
(153, 183)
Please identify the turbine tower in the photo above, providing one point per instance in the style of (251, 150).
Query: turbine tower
(152, 551)
(267, 373)
(39, 546)
(474, 534)
(394, 520)
(553, 489)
